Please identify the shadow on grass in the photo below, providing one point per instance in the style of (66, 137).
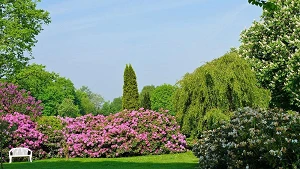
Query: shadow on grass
(94, 165)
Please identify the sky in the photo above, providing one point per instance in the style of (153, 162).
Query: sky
(91, 41)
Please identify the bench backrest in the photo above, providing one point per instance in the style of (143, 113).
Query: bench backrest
(19, 151)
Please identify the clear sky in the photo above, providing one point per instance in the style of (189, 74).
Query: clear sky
(91, 41)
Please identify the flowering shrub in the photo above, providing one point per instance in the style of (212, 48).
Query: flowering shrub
(252, 139)
(126, 133)
(14, 100)
(26, 134)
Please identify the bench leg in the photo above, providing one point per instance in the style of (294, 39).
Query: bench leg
(30, 159)
(10, 159)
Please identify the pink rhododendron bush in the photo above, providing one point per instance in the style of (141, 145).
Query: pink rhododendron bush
(25, 135)
(13, 99)
(127, 133)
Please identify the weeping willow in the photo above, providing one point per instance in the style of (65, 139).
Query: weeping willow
(226, 83)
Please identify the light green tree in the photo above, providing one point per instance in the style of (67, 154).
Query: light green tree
(68, 109)
(272, 48)
(162, 97)
(224, 84)
(20, 23)
(49, 87)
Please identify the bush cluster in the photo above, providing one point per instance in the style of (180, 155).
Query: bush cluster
(254, 138)
(127, 133)
(14, 100)
(25, 134)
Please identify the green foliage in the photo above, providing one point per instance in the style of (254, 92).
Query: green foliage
(88, 101)
(145, 101)
(46, 86)
(20, 23)
(49, 125)
(112, 107)
(105, 110)
(116, 105)
(226, 83)
(84, 103)
(272, 48)
(96, 99)
(68, 108)
(130, 98)
(213, 118)
(267, 5)
(162, 97)
(254, 138)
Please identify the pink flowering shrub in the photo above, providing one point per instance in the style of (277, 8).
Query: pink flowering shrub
(14, 100)
(127, 133)
(25, 135)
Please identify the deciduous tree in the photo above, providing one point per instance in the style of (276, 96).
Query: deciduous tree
(272, 48)
(225, 84)
(20, 22)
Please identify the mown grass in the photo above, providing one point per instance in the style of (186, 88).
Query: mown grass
(169, 161)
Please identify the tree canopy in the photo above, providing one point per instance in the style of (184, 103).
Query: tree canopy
(225, 84)
(272, 48)
(162, 97)
(145, 96)
(264, 4)
(49, 87)
(20, 23)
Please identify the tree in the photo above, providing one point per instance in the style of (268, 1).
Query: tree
(105, 110)
(162, 97)
(130, 98)
(20, 23)
(224, 84)
(68, 108)
(272, 48)
(116, 105)
(84, 103)
(46, 86)
(264, 4)
(96, 99)
(145, 96)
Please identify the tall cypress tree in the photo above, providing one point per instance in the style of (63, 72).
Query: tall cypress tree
(130, 98)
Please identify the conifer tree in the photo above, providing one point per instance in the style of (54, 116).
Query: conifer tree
(130, 98)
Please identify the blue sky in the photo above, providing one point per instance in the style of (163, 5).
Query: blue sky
(91, 41)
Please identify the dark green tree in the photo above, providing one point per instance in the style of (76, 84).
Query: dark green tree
(145, 96)
(130, 98)
(20, 23)
(224, 84)
(146, 101)
(264, 4)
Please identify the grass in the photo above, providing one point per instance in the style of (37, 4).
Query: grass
(169, 161)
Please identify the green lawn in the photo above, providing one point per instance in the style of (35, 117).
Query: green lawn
(169, 161)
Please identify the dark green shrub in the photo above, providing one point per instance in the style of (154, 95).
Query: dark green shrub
(51, 126)
(254, 138)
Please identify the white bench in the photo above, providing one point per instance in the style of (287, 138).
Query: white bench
(20, 152)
